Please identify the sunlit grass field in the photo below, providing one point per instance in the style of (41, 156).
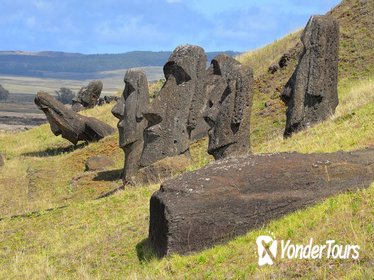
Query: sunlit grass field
(53, 226)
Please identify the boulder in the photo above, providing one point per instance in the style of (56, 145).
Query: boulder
(69, 124)
(228, 110)
(229, 197)
(129, 108)
(311, 93)
(88, 96)
(98, 163)
(177, 110)
(283, 61)
(273, 68)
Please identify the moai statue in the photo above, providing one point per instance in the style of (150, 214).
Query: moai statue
(88, 96)
(128, 110)
(229, 87)
(69, 124)
(311, 94)
(172, 116)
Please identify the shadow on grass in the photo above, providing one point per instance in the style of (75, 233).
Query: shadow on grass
(50, 152)
(145, 251)
(111, 175)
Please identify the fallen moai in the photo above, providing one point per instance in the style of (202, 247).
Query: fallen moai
(69, 124)
(88, 96)
(232, 196)
(311, 93)
(129, 108)
(228, 110)
(175, 112)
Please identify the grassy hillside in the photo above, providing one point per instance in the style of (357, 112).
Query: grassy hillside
(356, 63)
(63, 232)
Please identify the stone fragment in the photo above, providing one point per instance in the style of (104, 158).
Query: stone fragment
(273, 68)
(311, 93)
(69, 124)
(283, 61)
(229, 87)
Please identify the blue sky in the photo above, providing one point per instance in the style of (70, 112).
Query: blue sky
(116, 26)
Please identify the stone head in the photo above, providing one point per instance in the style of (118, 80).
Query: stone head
(129, 108)
(167, 134)
(227, 111)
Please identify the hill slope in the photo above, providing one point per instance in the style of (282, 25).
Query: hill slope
(356, 62)
(106, 238)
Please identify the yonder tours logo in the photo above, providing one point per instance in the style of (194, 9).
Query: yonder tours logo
(268, 249)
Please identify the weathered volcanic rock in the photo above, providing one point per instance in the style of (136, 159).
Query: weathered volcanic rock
(69, 124)
(174, 113)
(311, 93)
(134, 100)
(229, 87)
(99, 162)
(230, 197)
(88, 96)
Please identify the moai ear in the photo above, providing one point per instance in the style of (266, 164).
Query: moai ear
(140, 106)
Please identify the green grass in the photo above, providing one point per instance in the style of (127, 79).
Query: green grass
(106, 238)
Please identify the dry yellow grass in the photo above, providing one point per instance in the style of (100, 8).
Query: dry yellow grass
(260, 59)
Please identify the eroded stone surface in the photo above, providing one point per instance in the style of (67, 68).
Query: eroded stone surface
(229, 87)
(229, 197)
(311, 93)
(69, 124)
(174, 113)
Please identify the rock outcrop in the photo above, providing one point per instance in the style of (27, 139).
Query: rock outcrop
(174, 113)
(311, 93)
(88, 96)
(69, 124)
(228, 110)
(230, 197)
(129, 110)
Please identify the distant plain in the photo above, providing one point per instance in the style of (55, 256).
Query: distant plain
(19, 112)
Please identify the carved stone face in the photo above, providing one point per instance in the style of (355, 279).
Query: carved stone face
(129, 108)
(217, 114)
(311, 94)
(167, 131)
(227, 111)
